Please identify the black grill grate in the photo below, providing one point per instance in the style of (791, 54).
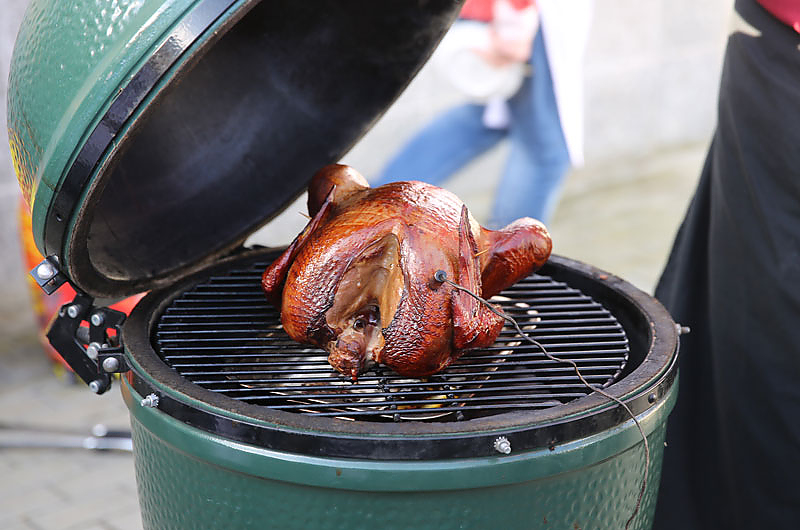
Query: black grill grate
(223, 335)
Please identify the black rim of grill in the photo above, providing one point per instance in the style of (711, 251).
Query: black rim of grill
(427, 433)
(224, 336)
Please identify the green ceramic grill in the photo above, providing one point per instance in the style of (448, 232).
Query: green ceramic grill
(151, 138)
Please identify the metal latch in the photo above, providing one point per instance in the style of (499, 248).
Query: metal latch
(88, 338)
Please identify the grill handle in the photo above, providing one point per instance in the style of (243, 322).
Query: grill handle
(91, 351)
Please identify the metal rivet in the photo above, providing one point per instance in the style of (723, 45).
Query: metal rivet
(651, 398)
(73, 311)
(92, 350)
(97, 319)
(96, 386)
(502, 445)
(110, 364)
(682, 330)
(45, 270)
(151, 400)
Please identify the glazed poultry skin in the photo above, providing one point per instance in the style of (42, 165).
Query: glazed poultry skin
(358, 281)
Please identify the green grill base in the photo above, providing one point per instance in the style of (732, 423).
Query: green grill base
(190, 479)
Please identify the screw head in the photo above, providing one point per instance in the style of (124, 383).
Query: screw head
(45, 270)
(150, 400)
(96, 386)
(110, 364)
(92, 350)
(502, 445)
(73, 310)
(97, 319)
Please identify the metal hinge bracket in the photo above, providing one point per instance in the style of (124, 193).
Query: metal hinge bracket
(88, 338)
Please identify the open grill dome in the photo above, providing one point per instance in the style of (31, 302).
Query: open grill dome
(180, 127)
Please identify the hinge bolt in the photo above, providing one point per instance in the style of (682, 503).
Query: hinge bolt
(96, 386)
(97, 319)
(73, 310)
(92, 350)
(151, 400)
(110, 364)
(502, 445)
(45, 270)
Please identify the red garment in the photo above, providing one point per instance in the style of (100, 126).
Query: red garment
(787, 11)
(482, 9)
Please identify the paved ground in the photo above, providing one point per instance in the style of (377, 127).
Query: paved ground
(57, 488)
(620, 217)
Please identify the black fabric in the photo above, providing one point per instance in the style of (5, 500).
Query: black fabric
(733, 454)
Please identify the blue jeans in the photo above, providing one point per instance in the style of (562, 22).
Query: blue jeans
(536, 165)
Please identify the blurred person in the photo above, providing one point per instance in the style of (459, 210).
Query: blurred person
(542, 118)
(733, 440)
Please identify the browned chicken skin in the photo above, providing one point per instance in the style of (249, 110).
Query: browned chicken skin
(358, 280)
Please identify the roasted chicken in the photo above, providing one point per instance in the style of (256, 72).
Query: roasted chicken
(359, 282)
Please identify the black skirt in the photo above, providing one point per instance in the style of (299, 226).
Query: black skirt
(733, 441)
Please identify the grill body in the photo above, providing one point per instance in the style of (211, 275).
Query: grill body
(205, 459)
(141, 164)
(188, 478)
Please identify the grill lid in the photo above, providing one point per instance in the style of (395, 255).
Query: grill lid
(187, 124)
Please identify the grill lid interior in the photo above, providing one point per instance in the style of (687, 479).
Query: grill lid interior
(219, 126)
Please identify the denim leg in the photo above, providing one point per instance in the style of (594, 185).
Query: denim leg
(538, 160)
(442, 147)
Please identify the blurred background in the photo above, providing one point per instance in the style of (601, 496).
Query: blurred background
(651, 75)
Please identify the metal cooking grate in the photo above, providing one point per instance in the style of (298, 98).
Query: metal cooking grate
(224, 336)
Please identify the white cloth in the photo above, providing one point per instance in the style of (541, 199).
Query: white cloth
(497, 114)
(566, 24)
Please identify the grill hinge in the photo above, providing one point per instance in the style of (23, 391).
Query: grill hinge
(88, 338)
